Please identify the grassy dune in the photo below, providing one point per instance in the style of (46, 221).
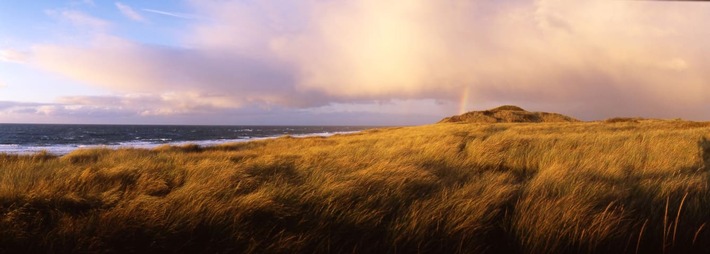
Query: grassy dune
(622, 186)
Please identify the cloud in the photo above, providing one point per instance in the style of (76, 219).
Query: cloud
(19, 107)
(149, 105)
(226, 79)
(143, 109)
(129, 12)
(10, 55)
(557, 55)
(172, 14)
(80, 19)
(24, 112)
(135, 106)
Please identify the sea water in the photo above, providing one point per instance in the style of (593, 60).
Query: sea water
(62, 139)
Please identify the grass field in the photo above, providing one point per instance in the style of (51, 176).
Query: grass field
(620, 186)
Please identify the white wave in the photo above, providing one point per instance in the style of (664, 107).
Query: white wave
(57, 149)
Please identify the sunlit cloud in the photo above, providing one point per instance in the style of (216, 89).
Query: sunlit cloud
(590, 59)
(129, 12)
(141, 105)
(9, 55)
(127, 105)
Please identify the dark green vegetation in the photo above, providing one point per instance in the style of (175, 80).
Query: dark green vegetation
(621, 186)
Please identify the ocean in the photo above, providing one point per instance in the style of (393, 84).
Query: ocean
(62, 139)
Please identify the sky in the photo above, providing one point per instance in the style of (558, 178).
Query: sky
(348, 62)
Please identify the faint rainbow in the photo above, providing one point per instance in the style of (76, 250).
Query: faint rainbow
(463, 104)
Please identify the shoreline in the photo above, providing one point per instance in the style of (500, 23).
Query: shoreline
(64, 149)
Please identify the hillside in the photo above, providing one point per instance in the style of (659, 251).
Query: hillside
(508, 114)
(577, 187)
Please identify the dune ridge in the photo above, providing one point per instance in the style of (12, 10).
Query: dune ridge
(508, 114)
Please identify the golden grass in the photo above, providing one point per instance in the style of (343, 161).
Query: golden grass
(619, 186)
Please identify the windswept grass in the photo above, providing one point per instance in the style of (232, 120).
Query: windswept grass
(636, 186)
